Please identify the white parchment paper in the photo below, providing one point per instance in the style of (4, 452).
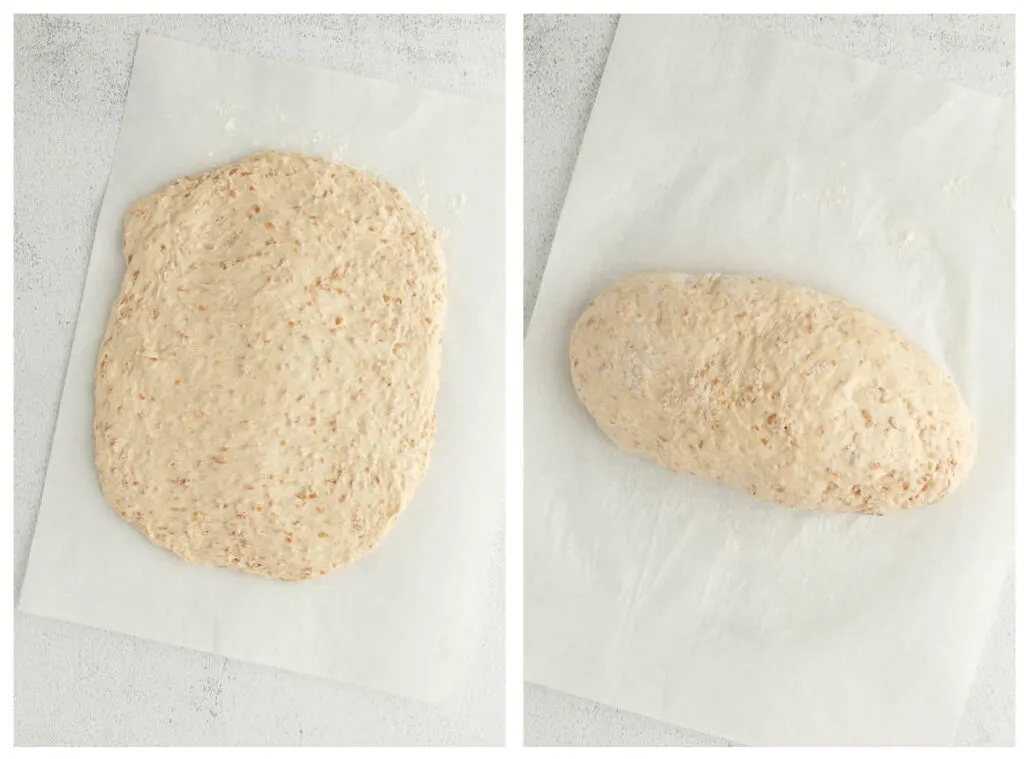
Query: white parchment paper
(713, 148)
(405, 618)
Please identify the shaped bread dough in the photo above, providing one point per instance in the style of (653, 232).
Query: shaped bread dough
(266, 385)
(792, 395)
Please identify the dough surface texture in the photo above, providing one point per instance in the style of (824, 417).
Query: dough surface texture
(789, 394)
(266, 385)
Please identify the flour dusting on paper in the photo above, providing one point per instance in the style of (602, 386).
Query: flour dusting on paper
(339, 152)
(837, 195)
(955, 184)
(904, 239)
(457, 203)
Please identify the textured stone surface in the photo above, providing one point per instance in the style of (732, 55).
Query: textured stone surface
(77, 685)
(564, 59)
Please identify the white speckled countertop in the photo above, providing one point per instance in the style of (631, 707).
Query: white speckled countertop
(81, 686)
(564, 58)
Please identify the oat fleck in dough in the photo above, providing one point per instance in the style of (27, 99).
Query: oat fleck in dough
(266, 386)
(792, 395)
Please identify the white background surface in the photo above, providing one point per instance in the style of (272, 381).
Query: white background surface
(75, 685)
(563, 64)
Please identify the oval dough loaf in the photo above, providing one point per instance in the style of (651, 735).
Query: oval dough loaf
(265, 389)
(792, 395)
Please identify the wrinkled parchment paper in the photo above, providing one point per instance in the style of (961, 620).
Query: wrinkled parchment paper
(713, 148)
(404, 619)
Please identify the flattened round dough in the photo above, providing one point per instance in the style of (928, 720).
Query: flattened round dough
(266, 386)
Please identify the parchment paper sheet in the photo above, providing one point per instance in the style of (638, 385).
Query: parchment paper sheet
(712, 148)
(405, 618)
